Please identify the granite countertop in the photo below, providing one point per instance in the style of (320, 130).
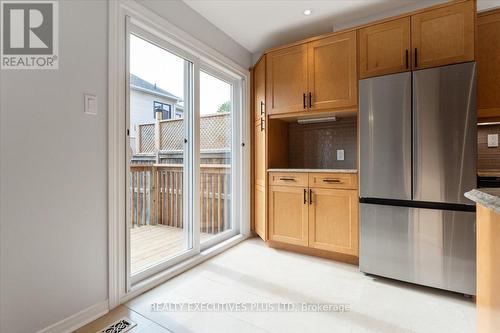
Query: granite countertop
(315, 170)
(488, 197)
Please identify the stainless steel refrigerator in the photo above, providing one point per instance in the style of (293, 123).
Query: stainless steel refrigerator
(417, 159)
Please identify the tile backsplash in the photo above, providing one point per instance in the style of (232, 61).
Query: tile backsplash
(487, 158)
(315, 145)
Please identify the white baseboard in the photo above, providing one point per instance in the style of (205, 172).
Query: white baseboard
(78, 320)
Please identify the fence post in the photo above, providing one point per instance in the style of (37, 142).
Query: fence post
(154, 195)
(137, 138)
(159, 114)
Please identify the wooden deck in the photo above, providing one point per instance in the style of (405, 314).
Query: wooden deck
(151, 244)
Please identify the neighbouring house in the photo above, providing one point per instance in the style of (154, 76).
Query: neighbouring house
(145, 99)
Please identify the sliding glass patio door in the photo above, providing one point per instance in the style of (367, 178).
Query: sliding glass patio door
(160, 95)
(182, 154)
(217, 102)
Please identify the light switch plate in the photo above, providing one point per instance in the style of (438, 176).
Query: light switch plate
(340, 154)
(492, 140)
(90, 104)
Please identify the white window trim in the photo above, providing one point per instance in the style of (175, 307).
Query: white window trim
(150, 21)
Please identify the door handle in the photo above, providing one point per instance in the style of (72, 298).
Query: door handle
(310, 196)
(310, 100)
(261, 124)
(305, 196)
(261, 108)
(407, 58)
(416, 57)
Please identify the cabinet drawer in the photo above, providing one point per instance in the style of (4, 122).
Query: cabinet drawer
(288, 179)
(334, 180)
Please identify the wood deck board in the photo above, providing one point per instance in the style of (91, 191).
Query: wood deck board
(151, 244)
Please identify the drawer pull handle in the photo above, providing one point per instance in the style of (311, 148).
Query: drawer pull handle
(326, 180)
(287, 179)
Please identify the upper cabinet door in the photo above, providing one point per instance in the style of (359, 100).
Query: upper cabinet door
(385, 48)
(443, 36)
(286, 80)
(260, 89)
(332, 72)
(488, 69)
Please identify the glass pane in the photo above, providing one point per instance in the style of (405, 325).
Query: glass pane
(215, 155)
(158, 230)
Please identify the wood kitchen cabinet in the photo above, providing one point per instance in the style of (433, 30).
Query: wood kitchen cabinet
(333, 220)
(385, 48)
(316, 76)
(430, 38)
(260, 152)
(288, 214)
(443, 36)
(315, 210)
(488, 66)
(259, 89)
(332, 77)
(286, 80)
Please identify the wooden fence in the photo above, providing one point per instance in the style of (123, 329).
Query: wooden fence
(156, 195)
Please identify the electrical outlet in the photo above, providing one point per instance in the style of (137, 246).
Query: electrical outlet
(340, 154)
(492, 140)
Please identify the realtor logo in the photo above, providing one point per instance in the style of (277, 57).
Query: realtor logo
(29, 35)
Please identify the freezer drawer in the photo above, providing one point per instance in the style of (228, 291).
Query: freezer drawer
(435, 248)
(385, 137)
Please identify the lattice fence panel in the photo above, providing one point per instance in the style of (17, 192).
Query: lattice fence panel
(172, 134)
(147, 135)
(215, 131)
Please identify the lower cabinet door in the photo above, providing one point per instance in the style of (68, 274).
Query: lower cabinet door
(333, 220)
(260, 212)
(288, 210)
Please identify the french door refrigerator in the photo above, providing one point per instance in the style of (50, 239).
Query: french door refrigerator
(417, 159)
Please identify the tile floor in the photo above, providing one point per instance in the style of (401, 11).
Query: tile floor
(253, 272)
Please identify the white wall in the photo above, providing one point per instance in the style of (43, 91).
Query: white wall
(53, 169)
(53, 176)
(181, 15)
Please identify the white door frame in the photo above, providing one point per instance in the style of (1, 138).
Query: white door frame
(117, 150)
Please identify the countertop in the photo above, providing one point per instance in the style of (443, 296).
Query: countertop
(488, 197)
(488, 173)
(315, 170)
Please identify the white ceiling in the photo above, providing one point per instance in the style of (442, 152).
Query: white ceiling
(260, 24)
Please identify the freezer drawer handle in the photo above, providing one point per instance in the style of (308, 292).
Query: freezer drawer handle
(329, 180)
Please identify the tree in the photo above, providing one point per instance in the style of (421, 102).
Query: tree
(224, 107)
